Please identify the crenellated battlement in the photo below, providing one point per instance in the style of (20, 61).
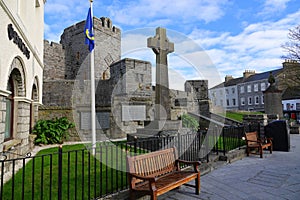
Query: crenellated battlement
(106, 23)
(48, 44)
(103, 24)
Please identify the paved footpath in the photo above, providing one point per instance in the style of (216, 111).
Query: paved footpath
(275, 177)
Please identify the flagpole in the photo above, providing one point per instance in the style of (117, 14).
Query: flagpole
(93, 104)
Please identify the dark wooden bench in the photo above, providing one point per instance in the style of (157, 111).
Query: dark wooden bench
(253, 142)
(158, 172)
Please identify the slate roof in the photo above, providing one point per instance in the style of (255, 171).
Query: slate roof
(261, 76)
(254, 77)
(291, 93)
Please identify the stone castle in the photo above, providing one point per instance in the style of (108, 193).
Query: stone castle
(124, 93)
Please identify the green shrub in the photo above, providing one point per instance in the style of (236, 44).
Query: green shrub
(52, 131)
(189, 122)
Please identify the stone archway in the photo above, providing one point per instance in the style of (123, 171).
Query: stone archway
(15, 87)
(17, 73)
(20, 120)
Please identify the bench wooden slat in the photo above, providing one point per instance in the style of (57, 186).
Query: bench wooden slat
(155, 173)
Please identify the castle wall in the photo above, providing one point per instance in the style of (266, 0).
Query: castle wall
(58, 93)
(54, 61)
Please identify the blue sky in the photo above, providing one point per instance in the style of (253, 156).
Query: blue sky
(213, 38)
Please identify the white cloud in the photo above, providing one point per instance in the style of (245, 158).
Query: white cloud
(144, 11)
(272, 7)
(257, 47)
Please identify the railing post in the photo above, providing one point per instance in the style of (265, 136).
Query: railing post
(240, 135)
(224, 145)
(60, 172)
(135, 144)
(216, 139)
(179, 144)
(207, 138)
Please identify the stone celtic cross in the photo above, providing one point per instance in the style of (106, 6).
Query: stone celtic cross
(161, 47)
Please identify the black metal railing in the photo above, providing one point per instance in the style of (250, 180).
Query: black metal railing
(79, 174)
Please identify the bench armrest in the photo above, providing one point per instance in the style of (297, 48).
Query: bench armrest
(194, 163)
(152, 180)
(258, 141)
(144, 178)
(266, 140)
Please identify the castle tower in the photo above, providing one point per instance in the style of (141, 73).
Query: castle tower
(107, 47)
(200, 90)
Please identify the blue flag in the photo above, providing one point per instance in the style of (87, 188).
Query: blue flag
(88, 31)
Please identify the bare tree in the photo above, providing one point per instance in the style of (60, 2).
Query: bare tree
(292, 47)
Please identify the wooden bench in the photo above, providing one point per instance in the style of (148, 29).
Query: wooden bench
(253, 142)
(158, 172)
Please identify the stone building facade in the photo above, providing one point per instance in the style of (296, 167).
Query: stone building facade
(21, 73)
(124, 91)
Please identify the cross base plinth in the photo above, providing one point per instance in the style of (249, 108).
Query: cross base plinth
(157, 128)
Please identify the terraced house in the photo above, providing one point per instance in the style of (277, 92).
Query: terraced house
(246, 92)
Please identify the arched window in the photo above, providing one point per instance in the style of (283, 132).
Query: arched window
(9, 111)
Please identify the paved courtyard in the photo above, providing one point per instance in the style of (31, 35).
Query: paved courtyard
(276, 177)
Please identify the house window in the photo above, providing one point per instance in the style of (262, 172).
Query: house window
(233, 102)
(288, 106)
(232, 90)
(262, 99)
(256, 99)
(242, 101)
(263, 87)
(297, 106)
(255, 87)
(249, 100)
(227, 101)
(242, 89)
(227, 92)
(249, 88)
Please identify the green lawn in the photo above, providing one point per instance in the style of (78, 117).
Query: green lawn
(84, 176)
(238, 116)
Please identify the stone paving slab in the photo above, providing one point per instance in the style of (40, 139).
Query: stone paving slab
(276, 177)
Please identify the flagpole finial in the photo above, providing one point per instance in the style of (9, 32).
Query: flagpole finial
(91, 1)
